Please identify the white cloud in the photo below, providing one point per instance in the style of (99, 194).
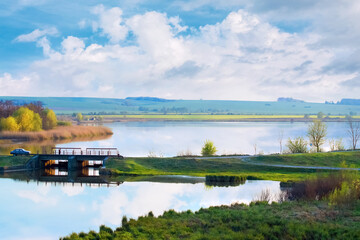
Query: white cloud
(10, 86)
(241, 57)
(37, 34)
(111, 23)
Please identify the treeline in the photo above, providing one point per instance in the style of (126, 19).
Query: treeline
(25, 118)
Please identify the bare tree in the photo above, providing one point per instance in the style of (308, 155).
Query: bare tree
(354, 132)
(280, 138)
(317, 133)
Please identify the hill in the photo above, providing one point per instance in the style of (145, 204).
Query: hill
(149, 105)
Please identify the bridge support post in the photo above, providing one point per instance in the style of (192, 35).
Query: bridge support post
(72, 163)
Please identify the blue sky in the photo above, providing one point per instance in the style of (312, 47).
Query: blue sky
(236, 49)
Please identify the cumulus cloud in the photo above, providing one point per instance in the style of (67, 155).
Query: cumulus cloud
(11, 86)
(241, 57)
(111, 23)
(37, 34)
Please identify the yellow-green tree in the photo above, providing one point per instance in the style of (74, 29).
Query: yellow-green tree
(317, 131)
(208, 149)
(79, 117)
(49, 119)
(27, 120)
(9, 124)
(37, 122)
(24, 117)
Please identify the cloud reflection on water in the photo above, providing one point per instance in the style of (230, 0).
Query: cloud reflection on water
(59, 210)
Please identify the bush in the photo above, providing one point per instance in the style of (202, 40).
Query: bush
(64, 123)
(208, 149)
(298, 145)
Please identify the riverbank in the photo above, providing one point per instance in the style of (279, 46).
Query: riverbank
(234, 166)
(59, 133)
(259, 220)
(221, 118)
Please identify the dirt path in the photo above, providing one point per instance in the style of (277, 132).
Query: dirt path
(247, 159)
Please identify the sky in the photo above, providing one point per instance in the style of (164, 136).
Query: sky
(201, 49)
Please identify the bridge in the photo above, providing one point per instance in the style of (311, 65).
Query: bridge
(72, 158)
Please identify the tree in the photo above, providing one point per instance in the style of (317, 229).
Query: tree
(79, 117)
(353, 132)
(298, 145)
(317, 133)
(9, 124)
(37, 123)
(49, 119)
(320, 115)
(280, 138)
(208, 149)
(25, 118)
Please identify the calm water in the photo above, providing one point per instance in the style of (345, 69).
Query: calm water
(172, 138)
(38, 210)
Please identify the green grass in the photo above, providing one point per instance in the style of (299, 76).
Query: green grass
(203, 167)
(289, 220)
(333, 159)
(10, 161)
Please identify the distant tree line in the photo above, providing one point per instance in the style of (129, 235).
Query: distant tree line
(25, 118)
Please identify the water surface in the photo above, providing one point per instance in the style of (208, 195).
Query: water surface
(173, 138)
(39, 210)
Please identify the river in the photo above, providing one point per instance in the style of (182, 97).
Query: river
(173, 138)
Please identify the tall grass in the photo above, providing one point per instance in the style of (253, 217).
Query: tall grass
(59, 133)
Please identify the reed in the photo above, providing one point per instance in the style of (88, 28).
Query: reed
(59, 133)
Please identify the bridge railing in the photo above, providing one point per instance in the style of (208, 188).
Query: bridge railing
(88, 151)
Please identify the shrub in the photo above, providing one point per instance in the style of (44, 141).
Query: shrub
(298, 145)
(64, 123)
(208, 149)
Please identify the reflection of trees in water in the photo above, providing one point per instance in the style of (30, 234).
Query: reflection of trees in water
(6, 146)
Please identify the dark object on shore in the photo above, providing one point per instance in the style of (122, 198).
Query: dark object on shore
(223, 181)
(19, 151)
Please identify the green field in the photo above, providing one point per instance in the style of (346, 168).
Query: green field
(333, 159)
(68, 105)
(288, 220)
(203, 167)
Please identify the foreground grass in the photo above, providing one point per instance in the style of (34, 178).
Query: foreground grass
(203, 167)
(288, 220)
(333, 159)
(10, 161)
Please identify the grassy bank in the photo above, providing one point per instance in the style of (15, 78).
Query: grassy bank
(203, 167)
(289, 220)
(333, 159)
(59, 133)
(10, 161)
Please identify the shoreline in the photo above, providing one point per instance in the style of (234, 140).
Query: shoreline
(214, 118)
(58, 133)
